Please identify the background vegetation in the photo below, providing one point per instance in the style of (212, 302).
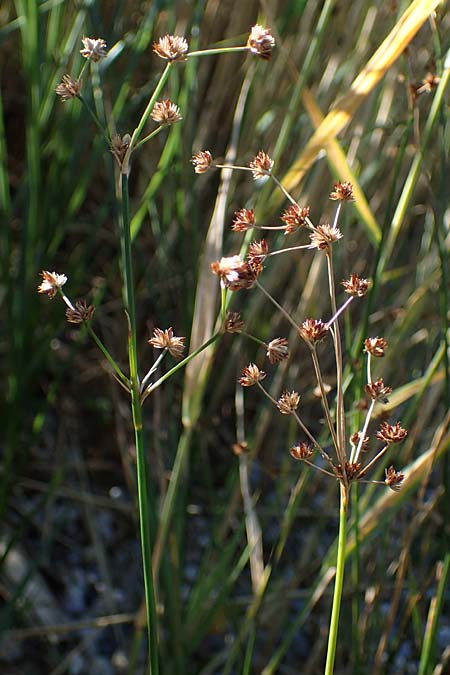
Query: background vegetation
(71, 583)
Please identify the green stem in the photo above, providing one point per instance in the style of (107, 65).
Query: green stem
(123, 378)
(95, 119)
(146, 114)
(142, 483)
(179, 365)
(218, 50)
(338, 584)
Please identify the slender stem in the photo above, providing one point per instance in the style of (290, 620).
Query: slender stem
(318, 468)
(254, 338)
(323, 397)
(223, 303)
(357, 451)
(338, 583)
(304, 428)
(284, 312)
(218, 50)
(179, 365)
(152, 369)
(142, 482)
(122, 377)
(340, 310)
(286, 250)
(375, 459)
(146, 114)
(95, 118)
(340, 415)
(283, 190)
(147, 138)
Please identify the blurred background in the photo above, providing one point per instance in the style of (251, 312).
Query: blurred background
(245, 549)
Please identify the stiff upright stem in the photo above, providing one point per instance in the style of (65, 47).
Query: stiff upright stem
(136, 406)
(338, 584)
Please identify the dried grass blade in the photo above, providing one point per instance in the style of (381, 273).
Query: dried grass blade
(386, 54)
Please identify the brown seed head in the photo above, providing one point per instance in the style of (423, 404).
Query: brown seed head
(93, 48)
(171, 48)
(391, 433)
(354, 440)
(68, 88)
(119, 146)
(261, 42)
(166, 112)
(240, 448)
(235, 273)
(313, 330)
(233, 322)
(378, 391)
(250, 375)
(202, 161)
(356, 286)
(277, 350)
(80, 313)
(342, 192)
(51, 282)
(429, 83)
(324, 235)
(244, 219)
(261, 165)
(294, 217)
(393, 479)
(302, 451)
(165, 339)
(288, 402)
(257, 252)
(375, 346)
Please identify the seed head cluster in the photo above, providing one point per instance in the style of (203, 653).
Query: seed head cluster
(94, 49)
(68, 88)
(171, 48)
(166, 112)
(51, 283)
(165, 339)
(202, 161)
(261, 165)
(261, 42)
(295, 217)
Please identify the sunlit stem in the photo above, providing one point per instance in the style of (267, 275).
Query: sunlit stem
(338, 583)
(357, 451)
(336, 215)
(152, 369)
(286, 250)
(375, 459)
(340, 310)
(369, 363)
(340, 415)
(218, 50)
(179, 365)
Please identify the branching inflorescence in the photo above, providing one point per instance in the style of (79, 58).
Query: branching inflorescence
(344, 463)
(336, 457)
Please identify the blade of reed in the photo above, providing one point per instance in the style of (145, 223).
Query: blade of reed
(390, 49)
